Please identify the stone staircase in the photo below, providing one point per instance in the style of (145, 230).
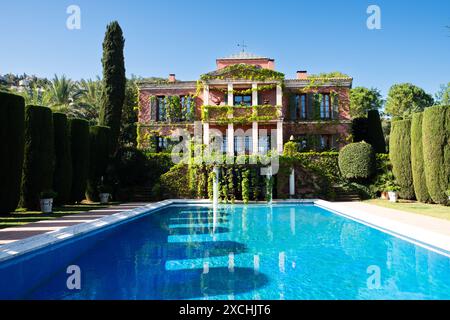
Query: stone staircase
(142, 194)
(343, 195)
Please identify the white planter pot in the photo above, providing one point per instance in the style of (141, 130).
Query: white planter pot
(104, 198)
(393, 196)
(46, 205)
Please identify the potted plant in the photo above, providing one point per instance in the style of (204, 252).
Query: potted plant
(104, 191)
(46, 201)
(392, 189)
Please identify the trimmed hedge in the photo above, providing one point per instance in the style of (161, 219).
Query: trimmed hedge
(99, 156)
(417, 163)
(436, 151)
(375, 134)
(359, 129)
(62, 179)
(174, 183)
(79, 143)
(39, 156)
(400, 155)
(12, 127)
(356, 161)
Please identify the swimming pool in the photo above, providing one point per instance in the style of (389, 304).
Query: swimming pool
(285, 251)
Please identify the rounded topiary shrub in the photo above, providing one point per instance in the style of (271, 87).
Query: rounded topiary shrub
(417, 164)
(39, 155)
(62, 179)
(99, 155)
(356, 161)
(436, 151)
(12, 126)
(79, 143)
(400, 155)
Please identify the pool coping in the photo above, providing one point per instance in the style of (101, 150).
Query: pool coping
(420, 236)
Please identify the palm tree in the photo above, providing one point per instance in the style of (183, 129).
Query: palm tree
(61, 93)
(35, 95)
(88, 101)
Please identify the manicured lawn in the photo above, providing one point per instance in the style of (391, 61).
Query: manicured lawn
(432, 210)
(21, 217)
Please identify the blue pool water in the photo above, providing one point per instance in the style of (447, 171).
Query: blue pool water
(249, 252)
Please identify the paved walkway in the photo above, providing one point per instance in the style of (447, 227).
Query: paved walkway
(432, 224)
(9, 235)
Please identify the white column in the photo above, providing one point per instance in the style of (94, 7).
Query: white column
(230, 95)
(255, 137)
(206, 133)
(230, 139)
(279, 95)
(280, 137)
(292, 183)
(206, 95)
(255, 94)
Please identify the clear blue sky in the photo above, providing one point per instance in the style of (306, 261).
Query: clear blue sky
(185, 37)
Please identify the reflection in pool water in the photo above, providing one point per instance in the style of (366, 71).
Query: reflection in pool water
(251, 252)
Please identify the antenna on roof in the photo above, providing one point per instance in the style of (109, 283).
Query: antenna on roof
(242, 45)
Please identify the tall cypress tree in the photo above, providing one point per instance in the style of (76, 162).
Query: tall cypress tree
(375, 134)
(114, 81)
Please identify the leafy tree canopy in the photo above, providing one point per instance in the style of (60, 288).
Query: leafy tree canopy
(442, 97)
(404, 99)
(363, 99)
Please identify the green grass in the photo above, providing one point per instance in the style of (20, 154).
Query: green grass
(432, 210)
(21, 217)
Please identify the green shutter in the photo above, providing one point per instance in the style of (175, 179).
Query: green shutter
(153, 108)
(335, 106)
(310, 106)
(292, 107)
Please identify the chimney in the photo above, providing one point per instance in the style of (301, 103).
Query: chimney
(302, 75)
(172, 77)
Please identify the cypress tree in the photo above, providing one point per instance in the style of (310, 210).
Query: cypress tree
(436, 151)
(39, 155)
(114, 82)
(62, 180)
(417, 164)
(79, 143)
(400, 155)
(359, 129)
(99, 152)
(12, 126)
(375, 134)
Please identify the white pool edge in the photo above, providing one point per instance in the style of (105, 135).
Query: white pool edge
(419, 236)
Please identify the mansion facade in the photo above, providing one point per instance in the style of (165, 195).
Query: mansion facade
(250, 105)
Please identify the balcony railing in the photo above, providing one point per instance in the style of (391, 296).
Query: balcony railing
(240, 114)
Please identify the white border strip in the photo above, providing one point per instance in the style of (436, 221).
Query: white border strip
(419, 236)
